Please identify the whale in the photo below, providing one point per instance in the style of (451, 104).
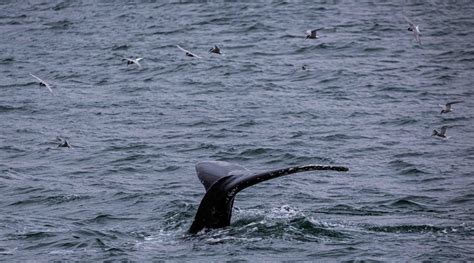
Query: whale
(223, 180)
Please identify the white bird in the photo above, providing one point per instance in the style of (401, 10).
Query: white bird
(216, 50)
(133, 61)
(447, 108)
(43, 83)
(441, 133)
(415, 29)
(312, 33)
(188, 53)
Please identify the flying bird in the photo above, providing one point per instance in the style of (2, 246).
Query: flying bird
(43, 83)
(216, 50)
(415, 29)
(447, 108)
(188, 53)
(312, 33)
(441, 133)
(133, 61)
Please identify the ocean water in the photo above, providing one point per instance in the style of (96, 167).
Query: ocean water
(127, 189)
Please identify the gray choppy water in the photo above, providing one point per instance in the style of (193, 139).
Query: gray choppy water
(127, 189)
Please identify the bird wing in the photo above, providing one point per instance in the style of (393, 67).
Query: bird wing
(187, 51)
(40, 80)
(194, 55)
(44, 82)
(409, 22)
(443, 130)
(315, 30)
(138, 59)
(417, 36)
(48, 87)
(453, 102)
(182, 49)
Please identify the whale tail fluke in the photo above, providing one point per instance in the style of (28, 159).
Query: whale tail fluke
(224, 180)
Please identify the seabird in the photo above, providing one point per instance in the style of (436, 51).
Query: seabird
(304, 67)
(63, 143)
(43, 83)
(133, 61)
(447, 108)
(188, 53)
(441, 133)
(312, 33)
(415, 29)
(216, 50)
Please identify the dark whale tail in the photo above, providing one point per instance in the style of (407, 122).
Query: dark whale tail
(224, 180)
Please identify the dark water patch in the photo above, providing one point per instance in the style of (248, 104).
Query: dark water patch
(131, 158)
(60, 25)
(397, 89)
(47, 200)
(292, 36)
(407, 229)
(408, 155)
(246, 124)
(120, 47)
(373, 49)
(62, 5)
(106, 218)
(406, 204)
(7, 60)
(290, 159)
(126, 148)
(399, 121)
(363, 114)
(167, 31)
(35, 235)
(214, 21)
(258, 26)
(412, 171)
(26, 190)
(230, 156)
(466, 198)
(305, 230)
(368, 149)
(349, 210)
(405, 168)
(328, 80)
(446, 76)
(6, 251)
(12, 16)
(454, 119)
(257, 152)
(169, 168)
(59, 199)
(343, 137)
(8, 108)
(11, 23)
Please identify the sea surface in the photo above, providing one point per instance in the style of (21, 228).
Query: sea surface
(128, 190)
